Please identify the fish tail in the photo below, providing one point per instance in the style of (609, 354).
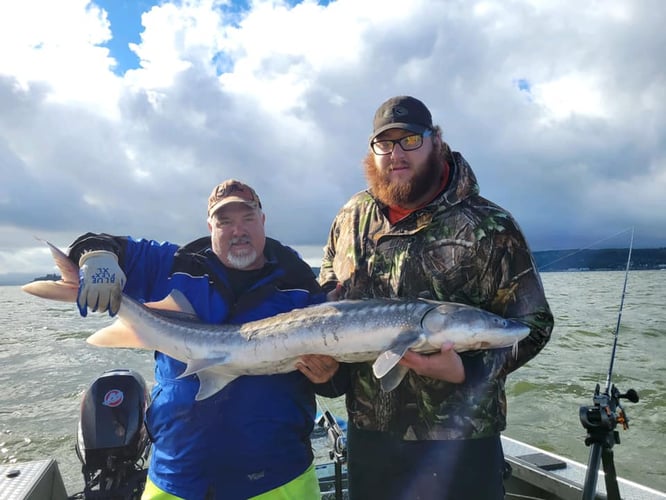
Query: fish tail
(65, 290)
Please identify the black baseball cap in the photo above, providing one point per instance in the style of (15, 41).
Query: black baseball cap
(403, 112)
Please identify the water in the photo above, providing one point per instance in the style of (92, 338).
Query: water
(46, 367)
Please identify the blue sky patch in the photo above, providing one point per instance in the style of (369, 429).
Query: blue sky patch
(125, 19)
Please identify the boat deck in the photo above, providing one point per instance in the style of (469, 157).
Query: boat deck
(543, 475)
(536, 475)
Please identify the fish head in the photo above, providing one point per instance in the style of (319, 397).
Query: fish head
(470, 328)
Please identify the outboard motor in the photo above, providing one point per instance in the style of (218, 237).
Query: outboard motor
(112, 440)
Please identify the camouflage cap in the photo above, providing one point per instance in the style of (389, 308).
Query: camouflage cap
(232, 191)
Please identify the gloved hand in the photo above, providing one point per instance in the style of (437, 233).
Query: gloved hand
(101, 282)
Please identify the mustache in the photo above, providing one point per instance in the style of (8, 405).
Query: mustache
(399, 164)
(239, 240)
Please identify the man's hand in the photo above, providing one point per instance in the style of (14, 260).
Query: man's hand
(338, 293)
(101, 282)
(444, 365)
(318, 368)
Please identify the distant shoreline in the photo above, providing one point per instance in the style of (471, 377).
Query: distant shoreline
(610, 259)
(48, 277)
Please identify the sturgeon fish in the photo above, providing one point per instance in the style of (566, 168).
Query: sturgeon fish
(379, 330)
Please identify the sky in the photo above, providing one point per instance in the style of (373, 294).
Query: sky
(120, 116)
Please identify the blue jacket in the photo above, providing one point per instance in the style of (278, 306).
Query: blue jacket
(253, 435)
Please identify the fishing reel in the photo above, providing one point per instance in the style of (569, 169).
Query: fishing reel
(603, 417)
(336, 437)
(601, 421)
(338, 451)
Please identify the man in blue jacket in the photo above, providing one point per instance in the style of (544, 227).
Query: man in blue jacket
(251, 439)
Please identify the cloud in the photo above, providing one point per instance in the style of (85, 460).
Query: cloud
(559, 108)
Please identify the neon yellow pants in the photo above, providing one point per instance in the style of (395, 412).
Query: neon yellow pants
(304, 487)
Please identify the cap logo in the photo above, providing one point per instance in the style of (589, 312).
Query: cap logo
(237, 189)
(399, 111)
(232, 188)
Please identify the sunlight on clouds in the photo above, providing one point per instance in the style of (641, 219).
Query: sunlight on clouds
(93, 201)
(570, 95)
(139, 172)
(51, 42)
(280, 50)
(175, 37)
(142, 173)
(620, 11)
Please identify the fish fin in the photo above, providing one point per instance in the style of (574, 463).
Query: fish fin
(211, 383)
(175, 301)
(68, 269)
(389, 358)
(52, 290)
(67, 288)
(117, 334)
(393, 378)
(200, 365)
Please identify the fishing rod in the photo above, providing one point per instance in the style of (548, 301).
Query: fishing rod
(602, 417)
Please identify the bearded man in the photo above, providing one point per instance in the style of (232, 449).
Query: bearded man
(421, 230)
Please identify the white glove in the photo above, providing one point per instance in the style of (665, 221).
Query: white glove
(101, 282)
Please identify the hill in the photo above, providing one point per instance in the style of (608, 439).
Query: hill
(609, 259)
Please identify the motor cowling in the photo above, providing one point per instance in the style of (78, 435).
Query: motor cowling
(111, 431)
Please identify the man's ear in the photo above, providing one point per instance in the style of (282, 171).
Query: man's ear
(437, 138)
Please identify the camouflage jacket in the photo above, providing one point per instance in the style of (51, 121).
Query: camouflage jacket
(459, 248)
